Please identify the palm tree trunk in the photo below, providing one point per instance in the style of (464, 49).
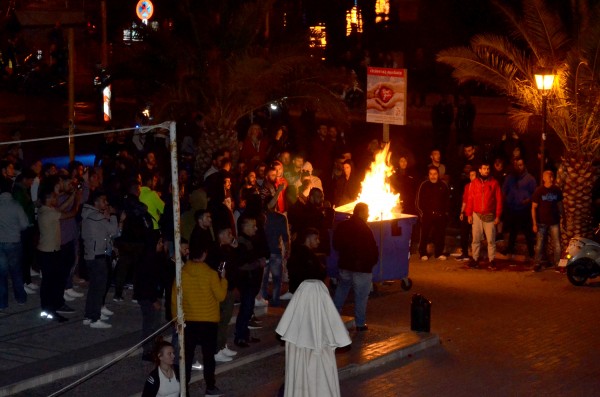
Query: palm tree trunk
(576, 178)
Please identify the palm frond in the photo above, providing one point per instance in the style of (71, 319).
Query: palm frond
(470, 65)
(507, 49)
(545, 31)
(519, 119)
(541, 29)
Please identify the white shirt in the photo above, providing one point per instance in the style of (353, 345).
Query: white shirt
(49, 223)
(168, 387)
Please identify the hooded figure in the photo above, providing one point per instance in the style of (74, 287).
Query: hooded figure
(312, 329)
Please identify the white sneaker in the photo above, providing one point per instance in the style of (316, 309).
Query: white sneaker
(228, 352)
(442, 257)
(87, 321)
(28, 289)
(286, 297)
(261, 302)
(72, 293)
(221, 357)
(33, 286)
(68, 298)
(106, 312)
(100, 324)
(197, 366)
(424, 258)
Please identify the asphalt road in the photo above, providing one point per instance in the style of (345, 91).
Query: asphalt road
(503, 333)
(509, 332)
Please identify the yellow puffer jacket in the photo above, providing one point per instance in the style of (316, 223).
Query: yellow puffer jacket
(203, 289)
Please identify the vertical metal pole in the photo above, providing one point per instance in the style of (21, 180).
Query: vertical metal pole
(386, 132)
(71, 115)
(381, 237)
(267, 27)
(104, 59)
(178, 265)
(544, 130)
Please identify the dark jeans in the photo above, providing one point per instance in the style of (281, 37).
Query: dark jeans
(28, 243)
(54, 274)
(226, 311)
(67, 257)
(433, 229)
(150, 322)
(10, 264)
(274, 267)
(204, 334)
(129, 255)
(247, 295)
(97, 273)
(465, 235)
(516, 221)
(109, 276)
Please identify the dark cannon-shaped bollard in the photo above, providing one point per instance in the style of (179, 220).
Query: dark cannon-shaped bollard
(420, 313)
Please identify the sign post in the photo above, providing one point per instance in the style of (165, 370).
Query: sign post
(386, 98)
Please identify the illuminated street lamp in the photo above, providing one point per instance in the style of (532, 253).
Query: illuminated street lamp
(544, 81)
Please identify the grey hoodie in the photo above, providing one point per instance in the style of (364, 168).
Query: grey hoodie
(97, 232)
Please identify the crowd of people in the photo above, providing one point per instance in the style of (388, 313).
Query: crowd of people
(495, 195)
(250, 226)
(246, 234)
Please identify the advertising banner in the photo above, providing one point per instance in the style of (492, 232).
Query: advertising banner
(386, 96)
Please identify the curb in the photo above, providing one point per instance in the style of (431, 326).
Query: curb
(356, 369)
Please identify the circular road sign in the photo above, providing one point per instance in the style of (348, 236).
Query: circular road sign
(144, 9)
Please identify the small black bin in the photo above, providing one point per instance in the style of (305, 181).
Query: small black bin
(420, 313)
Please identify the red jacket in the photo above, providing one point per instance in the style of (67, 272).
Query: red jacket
(254, 155)
(485, 197)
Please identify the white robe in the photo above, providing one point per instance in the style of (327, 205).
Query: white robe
(312, 329)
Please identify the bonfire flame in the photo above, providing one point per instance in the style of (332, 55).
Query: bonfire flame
(376, 191)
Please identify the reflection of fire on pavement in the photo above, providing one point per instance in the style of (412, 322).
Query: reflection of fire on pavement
(376, 191)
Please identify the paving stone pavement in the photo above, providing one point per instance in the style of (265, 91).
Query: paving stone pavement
(41, 358)
(510, 332)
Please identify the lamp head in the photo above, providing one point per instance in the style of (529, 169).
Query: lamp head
(544, 80)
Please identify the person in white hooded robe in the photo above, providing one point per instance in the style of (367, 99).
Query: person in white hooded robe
(312, 329)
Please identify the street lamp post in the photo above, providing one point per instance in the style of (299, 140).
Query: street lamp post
(544, 82)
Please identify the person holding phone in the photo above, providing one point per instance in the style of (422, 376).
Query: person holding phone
(203, 289)
(228, 258)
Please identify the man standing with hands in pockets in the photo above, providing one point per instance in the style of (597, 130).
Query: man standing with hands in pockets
(546, 212)
(484, 208)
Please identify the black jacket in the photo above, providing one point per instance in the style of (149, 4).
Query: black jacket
(249, 270)
(304, 265)
(153, 382)
(302, 216)
(433, 199)
(354, 241)
(147, 280)
(137, 227)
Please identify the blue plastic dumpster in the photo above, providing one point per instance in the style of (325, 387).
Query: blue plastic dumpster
(393, 239)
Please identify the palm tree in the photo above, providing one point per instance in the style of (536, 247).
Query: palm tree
(229, 67)
(542, 37)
